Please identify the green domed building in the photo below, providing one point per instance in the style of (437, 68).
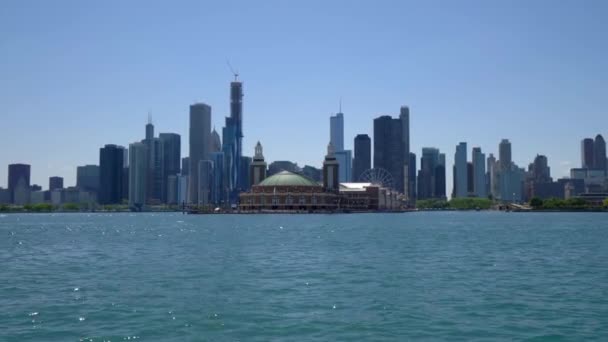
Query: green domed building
(289, 191)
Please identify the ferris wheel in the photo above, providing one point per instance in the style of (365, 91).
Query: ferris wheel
(377, 176)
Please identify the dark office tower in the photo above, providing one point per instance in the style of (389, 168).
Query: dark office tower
(470, 173)
(426, 176)
(504, 154)
(170, 160)
(18, 173)
(599, 153)
(363, 155)
(389, 149)
(236, 114)
(185, 166)
(125, 180)
(412, 177)
(244, 174)
(55, 183)
(541, 173)
(440, 181)
(87, 178)
(461, 187)
(587, 154)
(431, 177)
(110, 174)
(200, 149)
(409, 185)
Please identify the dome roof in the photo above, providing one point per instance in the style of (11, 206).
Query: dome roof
(286, 178)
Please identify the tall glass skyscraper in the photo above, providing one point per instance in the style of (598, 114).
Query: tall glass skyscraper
(460, 171)
(170, 159)
(479, 173)
(363, 155)
(200, 138)
(336, 131)
(18, 173)
(391, 148)
(236, 116)
(110, 174)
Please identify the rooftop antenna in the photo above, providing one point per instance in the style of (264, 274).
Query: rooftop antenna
(235, 73)
(340, 105)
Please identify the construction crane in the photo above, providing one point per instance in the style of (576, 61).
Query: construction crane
(235, 73)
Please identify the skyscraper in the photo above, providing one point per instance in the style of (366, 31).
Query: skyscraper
(216, 141)
(151, 164)
(599, 153)
(170, 160)
(18, 174)
(110, 174)
(200, 131)
(336, 138)
(87, 178)
(336, 131)
(205, 174)
(460, 171)
(470, 183)
(391, 148)
(426, 176)
(431, 177)
(344, 158)
(244, 176)
(185, 166)
(492, 176)
(236, 114)
(412, 177)
(217, 185)
(231, 172)
(541, 173)
(440, 184)
(504, 154)
(587, 153)
(363, 155)
(138, 174)
(479, 173)
(408, 184)
(55, 183)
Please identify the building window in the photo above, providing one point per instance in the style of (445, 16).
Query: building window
(314, 199)
(302, 200)
(275, 200)
(289, 200)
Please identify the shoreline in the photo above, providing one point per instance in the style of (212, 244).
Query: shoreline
(584, 210)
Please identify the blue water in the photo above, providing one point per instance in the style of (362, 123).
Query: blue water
(361, 277)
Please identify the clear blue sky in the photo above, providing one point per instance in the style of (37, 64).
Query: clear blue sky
(75, 75)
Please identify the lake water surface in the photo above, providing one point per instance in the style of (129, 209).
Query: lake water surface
(359, 277)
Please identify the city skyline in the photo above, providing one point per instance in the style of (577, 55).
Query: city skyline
(530, 93)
